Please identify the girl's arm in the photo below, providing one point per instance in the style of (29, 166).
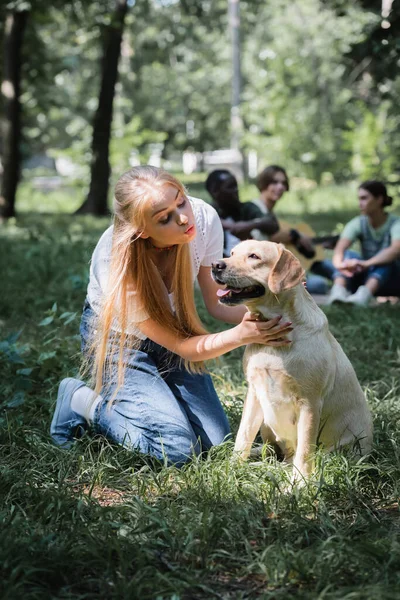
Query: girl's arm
(229, 314)
(338, 253)
(205, 347)
(385, 256)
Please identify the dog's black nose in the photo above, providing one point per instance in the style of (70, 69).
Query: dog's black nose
(219, 266)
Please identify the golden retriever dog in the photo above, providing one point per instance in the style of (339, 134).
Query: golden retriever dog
(301, 395)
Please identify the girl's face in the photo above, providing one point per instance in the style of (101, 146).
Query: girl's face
(369, 204)
(169, 219)
(275, 190)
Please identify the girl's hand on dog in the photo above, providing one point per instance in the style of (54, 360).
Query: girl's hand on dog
(253, 330)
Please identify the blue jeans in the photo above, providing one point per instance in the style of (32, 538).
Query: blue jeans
(388, 276)
(317, 280)
(161, 409)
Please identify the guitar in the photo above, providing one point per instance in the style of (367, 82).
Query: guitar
(318, 254)
(317, 241)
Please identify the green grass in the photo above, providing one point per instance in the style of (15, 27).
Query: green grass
(100, 522)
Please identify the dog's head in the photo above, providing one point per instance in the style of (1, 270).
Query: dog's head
(253, 269)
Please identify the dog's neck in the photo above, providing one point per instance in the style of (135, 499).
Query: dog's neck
(295, 305)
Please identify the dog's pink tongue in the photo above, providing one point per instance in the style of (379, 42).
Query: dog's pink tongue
(222, 293)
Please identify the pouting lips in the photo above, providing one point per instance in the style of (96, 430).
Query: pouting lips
(233, 295)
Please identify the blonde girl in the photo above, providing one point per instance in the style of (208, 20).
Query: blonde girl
(140, 330)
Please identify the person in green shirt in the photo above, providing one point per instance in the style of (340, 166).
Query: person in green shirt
(358, 279)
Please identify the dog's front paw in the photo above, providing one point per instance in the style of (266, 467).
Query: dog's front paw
(301, 473)
(242, 451)
(298, 480)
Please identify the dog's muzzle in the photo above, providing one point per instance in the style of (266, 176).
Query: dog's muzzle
(234, 292)
(217, 270)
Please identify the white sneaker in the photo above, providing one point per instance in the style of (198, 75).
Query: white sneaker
(362, 297)
(338, 293)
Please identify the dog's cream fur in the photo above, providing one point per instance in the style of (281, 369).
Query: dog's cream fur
(303, 394)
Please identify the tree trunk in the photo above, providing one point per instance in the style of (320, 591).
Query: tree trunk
(96, 201)
(10, 89)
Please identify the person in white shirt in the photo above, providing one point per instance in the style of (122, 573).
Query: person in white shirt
(141, 335)
(272, 183)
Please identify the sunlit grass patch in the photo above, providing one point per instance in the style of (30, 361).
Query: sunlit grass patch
(101, 522)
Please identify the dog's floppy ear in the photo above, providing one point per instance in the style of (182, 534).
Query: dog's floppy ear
(286, 272)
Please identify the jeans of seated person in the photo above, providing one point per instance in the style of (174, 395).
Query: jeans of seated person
(161, 409)
(315, 284)
(387, 275)
(322, 271)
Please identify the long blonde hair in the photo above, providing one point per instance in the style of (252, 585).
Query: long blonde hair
(131, 269)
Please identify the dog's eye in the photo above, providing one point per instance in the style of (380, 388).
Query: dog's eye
(254, 256)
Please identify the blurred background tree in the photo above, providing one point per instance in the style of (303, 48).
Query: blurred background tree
(319, 92)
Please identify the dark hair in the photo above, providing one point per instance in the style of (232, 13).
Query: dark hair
(215, 178)
(266, 177)
(377, 189)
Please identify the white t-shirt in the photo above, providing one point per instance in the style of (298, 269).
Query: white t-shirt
(230, 240)
(256, 234)
(205, 248)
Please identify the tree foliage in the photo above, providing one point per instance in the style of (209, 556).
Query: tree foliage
(320, 83)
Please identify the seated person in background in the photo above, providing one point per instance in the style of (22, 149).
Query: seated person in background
(377, 272)
(272, 183)
(237, 218)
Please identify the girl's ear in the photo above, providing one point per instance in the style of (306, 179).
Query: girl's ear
(143, 235)
(286, 272)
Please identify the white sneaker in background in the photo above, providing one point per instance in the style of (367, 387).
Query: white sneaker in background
(338, 293)
(362, 297)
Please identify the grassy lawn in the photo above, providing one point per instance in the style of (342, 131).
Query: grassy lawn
(100, 522)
